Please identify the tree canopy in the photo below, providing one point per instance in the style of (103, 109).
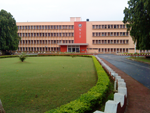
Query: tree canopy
(137, 18)
(9, 38)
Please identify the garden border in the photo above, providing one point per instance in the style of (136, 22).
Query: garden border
(118, 105)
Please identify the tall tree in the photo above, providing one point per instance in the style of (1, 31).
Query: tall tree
(9, 38)
(137, 18)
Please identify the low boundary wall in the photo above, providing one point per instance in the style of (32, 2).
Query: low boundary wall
(118, 105)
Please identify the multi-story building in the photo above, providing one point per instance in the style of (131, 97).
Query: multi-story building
(75, 36)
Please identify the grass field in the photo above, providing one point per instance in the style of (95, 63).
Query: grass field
(147, 60)
(43, 83)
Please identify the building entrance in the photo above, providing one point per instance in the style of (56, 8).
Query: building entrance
(73, 48)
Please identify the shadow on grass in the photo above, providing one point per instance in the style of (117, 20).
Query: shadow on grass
(24, 62)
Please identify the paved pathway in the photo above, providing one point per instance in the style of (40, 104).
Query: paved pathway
(138, 94)
(137, 70)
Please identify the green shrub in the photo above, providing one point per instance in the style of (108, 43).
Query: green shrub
(22, 57)
(8, 56)
(93, 97)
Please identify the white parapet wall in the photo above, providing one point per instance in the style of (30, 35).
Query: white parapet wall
(119, 102)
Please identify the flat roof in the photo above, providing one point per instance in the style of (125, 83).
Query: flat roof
(68, 23)
(64, 44)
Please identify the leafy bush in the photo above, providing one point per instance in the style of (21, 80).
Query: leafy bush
(88, 100)
(22, 57)
(8, 56)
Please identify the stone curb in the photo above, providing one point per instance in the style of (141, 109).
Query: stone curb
(117, 105)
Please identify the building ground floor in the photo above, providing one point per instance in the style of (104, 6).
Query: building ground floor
(78, 49)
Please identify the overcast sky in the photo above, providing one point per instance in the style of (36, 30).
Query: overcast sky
(62, 10)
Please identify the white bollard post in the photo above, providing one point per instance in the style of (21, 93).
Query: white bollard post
(122, 90)
(111, 106)
(120, 80)
(115, 86)
(118, 97)
(121, 84)
(117, 77)
(98, 112)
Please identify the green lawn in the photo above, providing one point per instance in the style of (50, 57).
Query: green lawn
(147, 60)
(43, 83)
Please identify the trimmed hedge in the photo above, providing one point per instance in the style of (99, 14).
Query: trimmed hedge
(10, 56)
(88, 100)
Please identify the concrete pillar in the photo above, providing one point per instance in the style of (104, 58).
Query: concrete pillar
(117, 77)
(122, 90)
(111, 106)
(121, 84)
(120, 80)
(118, 97)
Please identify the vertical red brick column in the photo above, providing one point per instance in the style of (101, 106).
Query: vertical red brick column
(83, 49)
(79, 32)
(63, 48)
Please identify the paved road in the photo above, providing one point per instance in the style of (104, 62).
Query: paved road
(137, 70)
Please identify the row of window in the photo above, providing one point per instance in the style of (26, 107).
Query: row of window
(38, 49)
(110, 41)
(46, 27)
(69, 27)
(46, 34)
(122, 26)
(97, 34)
(58, 49)
(118, 50)
(45, 41)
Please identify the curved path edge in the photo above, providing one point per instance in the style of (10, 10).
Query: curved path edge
(138, 94)
(118, 104)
